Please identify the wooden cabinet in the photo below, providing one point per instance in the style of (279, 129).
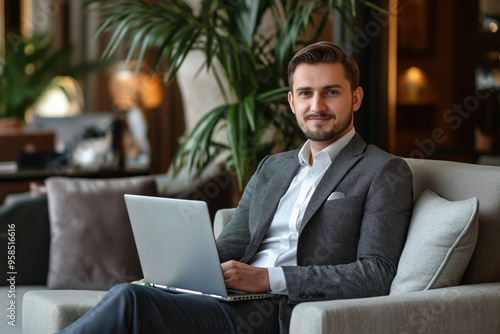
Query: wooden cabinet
(13, 141)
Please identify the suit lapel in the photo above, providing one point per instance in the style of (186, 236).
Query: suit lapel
(283, 175)
(280, 177)
(340, 166)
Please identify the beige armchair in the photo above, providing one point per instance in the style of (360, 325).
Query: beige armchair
(472, 306)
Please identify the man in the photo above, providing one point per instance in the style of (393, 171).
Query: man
(326, 222)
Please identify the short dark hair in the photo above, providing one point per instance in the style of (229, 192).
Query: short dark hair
(325, 52)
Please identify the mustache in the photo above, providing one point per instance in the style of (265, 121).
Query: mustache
(319, 114)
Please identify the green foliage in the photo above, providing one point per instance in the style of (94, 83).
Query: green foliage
(253, 61)
(28, 67)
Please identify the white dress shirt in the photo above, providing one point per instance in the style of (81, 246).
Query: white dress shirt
(279, 247)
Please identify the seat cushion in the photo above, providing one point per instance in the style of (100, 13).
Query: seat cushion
(441, 239)
(11, 301)
(92, 246)
(50, 311)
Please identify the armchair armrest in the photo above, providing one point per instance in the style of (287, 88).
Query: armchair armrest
(222, 217)
(460, 309)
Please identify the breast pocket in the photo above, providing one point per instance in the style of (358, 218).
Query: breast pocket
(342, 216)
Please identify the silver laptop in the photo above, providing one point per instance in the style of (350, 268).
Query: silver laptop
(176, 247)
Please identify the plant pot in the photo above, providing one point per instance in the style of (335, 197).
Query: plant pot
(9, 123)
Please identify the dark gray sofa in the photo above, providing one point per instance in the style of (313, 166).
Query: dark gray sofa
(29, 215)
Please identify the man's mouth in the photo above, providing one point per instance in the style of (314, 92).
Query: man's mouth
(318, 117)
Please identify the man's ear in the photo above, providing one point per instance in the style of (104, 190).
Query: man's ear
(290, 101)
(357, 98)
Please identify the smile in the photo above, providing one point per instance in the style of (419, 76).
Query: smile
(318, 117)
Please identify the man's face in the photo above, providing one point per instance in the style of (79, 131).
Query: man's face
(322, 101)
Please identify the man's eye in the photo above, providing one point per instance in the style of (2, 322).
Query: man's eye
(332, 92)
(304, 93)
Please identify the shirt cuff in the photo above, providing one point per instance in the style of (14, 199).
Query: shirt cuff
(277, 280)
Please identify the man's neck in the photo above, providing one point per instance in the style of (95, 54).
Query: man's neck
(316, 146)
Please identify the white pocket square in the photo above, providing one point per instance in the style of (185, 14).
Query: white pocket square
(335, 195)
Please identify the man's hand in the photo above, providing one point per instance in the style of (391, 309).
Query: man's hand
(244, 277)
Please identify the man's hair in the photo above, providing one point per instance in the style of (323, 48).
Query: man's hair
(325, 52)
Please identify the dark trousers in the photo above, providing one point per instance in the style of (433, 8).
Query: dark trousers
(131, 308)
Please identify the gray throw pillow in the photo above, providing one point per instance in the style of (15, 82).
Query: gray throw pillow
(92, 245)
(440, 242)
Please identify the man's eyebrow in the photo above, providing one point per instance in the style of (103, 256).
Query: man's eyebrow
(334, 86)
(337, 86)
(302, 88)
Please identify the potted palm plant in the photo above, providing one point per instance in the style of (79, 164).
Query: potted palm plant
(28, 66)
(251, 62)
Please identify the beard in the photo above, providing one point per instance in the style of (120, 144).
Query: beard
(323, 135)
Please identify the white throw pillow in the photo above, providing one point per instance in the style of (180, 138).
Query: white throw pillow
(440, 242)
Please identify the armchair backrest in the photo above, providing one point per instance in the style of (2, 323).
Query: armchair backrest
(222, 217)
(458, 181)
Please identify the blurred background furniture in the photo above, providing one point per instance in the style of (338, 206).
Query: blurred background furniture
(13, 141)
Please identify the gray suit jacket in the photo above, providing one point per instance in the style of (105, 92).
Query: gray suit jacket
(348, 247)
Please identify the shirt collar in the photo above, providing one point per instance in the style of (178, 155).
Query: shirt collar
(332, 150)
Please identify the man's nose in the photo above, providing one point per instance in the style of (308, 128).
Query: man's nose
(318, 103)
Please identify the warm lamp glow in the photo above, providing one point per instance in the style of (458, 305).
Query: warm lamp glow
(493, 27)
(64, 97)
(414, 83)
(414, 76)
(129, 88)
